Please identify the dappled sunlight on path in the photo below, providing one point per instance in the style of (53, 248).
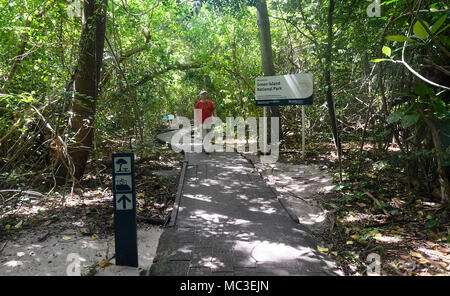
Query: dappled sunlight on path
(230, 223)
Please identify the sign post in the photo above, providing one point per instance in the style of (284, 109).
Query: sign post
(265, 129)
(303, 132)
(292, 89)
(125, 225)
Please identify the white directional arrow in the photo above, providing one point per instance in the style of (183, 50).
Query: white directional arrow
(124, 201)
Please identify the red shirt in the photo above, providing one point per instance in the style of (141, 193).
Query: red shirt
(207, 109)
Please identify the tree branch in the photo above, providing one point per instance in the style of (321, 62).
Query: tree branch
(176, 66)
(438, 44)
(415, 72)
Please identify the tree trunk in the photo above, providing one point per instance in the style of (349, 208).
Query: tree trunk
(265, 42)
(82, 108)
(443, 171)
(329, 95)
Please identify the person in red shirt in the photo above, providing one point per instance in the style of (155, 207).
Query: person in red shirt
(207, 110)
(206, 106)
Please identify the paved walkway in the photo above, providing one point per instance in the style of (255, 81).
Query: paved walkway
(230, 223)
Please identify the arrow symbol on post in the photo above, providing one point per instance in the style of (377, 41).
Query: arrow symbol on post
(124, 200)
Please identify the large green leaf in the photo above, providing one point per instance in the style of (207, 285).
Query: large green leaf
(438, 23)
(442, 30)
(423, 90)
(379, 60)
(387, 51)
(399, 38)
(420, 31)
(394, 116)
(409, 120)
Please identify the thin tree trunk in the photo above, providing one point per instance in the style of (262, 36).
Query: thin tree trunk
(329, 95)
(265, 42)
(83, 105)
(442, 170)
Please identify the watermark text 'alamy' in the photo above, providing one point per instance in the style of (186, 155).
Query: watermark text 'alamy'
(210, 136)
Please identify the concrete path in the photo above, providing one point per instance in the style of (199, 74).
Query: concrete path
(230, 223)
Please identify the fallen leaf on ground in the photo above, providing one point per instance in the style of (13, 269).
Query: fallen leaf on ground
(104, 263)
(444, 250)
(404, 257)
(433, 235)
(84, 231)
(322, 249)
(18, 225)
(415, 254)
(394, 231)
(66, 237)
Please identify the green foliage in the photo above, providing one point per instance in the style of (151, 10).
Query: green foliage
(419, 30)
(379, 60)
(178, 48)
(399, 38)
(410, 119)
(387, 51)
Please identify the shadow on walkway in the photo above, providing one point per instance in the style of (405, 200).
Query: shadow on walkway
(230, 223)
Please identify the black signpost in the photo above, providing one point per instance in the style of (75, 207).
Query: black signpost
(125, 209)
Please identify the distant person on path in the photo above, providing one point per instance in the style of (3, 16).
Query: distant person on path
(204, 108)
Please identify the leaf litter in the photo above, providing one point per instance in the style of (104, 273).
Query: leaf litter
(89, 210)
(376, 213)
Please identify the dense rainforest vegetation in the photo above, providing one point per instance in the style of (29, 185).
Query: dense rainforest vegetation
(80, 80)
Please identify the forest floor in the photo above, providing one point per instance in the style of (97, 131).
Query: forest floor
(374, 212)
(371, 212)
(31, 219)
